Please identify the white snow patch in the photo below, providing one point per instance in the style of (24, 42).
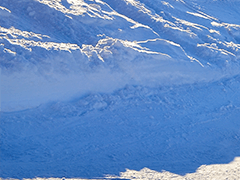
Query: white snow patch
(208, 172)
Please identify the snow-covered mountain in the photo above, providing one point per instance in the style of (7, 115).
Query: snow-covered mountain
(91, 87)
(52, 49)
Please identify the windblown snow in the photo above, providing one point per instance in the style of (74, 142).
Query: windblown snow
(93, 88)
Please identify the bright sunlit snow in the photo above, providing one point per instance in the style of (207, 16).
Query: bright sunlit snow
(120, 89)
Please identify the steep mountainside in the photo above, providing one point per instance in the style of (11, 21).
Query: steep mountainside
(92, 87)
(52, 42)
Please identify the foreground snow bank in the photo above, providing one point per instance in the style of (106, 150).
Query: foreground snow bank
(229, 171)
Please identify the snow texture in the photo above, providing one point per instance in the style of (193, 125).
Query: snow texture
(94, 88)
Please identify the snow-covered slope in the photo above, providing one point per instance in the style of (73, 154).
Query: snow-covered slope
(48, 45)
(91, 87)
(177, 128)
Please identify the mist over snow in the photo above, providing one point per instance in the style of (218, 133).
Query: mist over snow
(90, 88)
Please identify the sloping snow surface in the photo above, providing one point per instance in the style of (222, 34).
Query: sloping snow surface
(93, 88)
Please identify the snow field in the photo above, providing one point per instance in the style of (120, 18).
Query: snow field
(91, 137)
(119, 89)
